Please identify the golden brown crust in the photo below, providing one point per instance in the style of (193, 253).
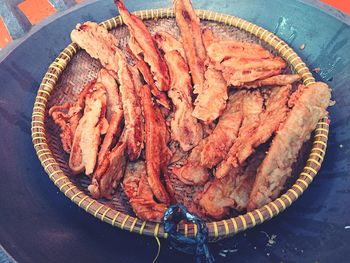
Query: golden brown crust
(135, 51)
(189, 26)
(114, 113)
(151, 54)
(98, 43)
(139, 193)
(212, 96)
(310, 106)
(132, 108)
(154, 149)
(68, 122)
(184, 127)
(238, 71)
(232, 191)
(263, 127)
(167, 42)
(86, 141)
(109, 173)
(279, 80)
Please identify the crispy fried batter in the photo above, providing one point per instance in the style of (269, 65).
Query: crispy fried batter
(139, 193)
(215, 198)
(221, 50)
(266, 125)
(231, 191)
(98, 43)
(137, 54)
(184, 127)
(154, 147)
(189, 26)
(68, 122)
(114, 113)
(212, 97)
(279, 80)
(208, 38)
(91, 126)
(252, 107)
(276, 167)
(238, 71)
(151, 54)
(131, 107)
(167, 42)
(214, 148)
(217, 144)
(109, 173)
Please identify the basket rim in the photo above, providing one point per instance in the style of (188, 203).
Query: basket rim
(217, 229)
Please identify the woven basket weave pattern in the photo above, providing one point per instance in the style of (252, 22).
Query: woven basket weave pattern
(80, 69)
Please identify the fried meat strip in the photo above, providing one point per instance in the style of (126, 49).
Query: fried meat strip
(154, 147)
(189, 26)
(215, 147)
(244, 64)
(151, 54)
(219, 51)
(109, 173)
(68, 122)
(91, 126)
(242, 107)
(131, 106)
(252, 107)
(232, 191)
(139, 193)
(184, 127)
(279, 80)
(211, 99)
(114, 113)
(98, 43)
(309, 107)
(238, 71)
(137, 54)
(261, 131)
(167, 42)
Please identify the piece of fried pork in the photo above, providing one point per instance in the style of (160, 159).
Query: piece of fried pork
(258, 130)
(110, 172)
(98, 43)
(114, 113)
(155, 138)
(68, 115)
(128, 85)
(137, 55)
(245, 65)
(310, 106)
(232, 191)
(212, 96)
(214, 148)
(191, 36)
(139, 193)
(267, 124)
(92, 125)
(146, 43)
(185, 128)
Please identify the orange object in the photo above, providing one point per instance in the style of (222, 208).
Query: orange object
(343, 5)
(5, 37)
(36, 10)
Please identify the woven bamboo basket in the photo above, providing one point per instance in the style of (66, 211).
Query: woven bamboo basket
(117, 212)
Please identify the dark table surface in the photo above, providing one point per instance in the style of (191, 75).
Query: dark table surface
(39, 224)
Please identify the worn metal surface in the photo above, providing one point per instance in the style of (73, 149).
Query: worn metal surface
(38, 224)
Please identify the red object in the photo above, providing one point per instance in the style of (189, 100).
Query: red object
(343, 5)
